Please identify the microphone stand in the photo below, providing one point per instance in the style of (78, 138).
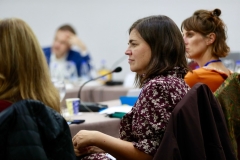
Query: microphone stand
(80, 90)
(111, 82)
(118, 69)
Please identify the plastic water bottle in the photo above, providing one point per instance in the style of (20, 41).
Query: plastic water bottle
(229, 63)
(70, 70)
(102, 71)
(237, 66)
(85, 72)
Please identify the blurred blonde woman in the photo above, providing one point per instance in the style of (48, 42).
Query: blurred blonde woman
(23, 68)
(29, 129)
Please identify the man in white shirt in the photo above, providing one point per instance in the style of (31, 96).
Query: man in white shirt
(62, 60)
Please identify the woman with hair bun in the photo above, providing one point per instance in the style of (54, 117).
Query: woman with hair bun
(204, 34)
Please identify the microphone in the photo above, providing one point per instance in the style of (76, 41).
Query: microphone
(116, 70)
(114, 82)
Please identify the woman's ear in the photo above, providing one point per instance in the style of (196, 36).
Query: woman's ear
(211, 38)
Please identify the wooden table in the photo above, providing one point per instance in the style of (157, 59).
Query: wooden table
(96, 121)
(96, 93)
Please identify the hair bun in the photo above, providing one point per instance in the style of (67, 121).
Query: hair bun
(216, 12)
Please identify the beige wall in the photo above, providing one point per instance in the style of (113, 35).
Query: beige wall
(103, 24)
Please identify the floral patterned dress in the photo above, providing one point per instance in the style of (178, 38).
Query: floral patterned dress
(145, 124)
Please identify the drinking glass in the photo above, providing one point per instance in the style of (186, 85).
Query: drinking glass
(60, 85)
(66, 70)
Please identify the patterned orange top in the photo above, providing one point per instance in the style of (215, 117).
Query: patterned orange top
(212, 78)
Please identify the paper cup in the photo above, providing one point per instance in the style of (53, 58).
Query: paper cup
(73, 105)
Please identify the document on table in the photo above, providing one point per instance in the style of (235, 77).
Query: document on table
(111, 110)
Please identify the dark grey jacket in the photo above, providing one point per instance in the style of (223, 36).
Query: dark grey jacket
(31, 130)
(196, 130)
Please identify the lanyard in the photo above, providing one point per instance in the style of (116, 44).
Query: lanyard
(212, 61)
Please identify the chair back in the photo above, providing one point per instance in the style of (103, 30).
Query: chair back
(196, 129)
(31, 130)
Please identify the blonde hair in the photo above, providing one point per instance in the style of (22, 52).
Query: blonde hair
(23, 68)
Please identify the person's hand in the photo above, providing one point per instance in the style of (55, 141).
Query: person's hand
(80, 152)
(94, 149)
(83, 139)
(88, 150)
(74, 40)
